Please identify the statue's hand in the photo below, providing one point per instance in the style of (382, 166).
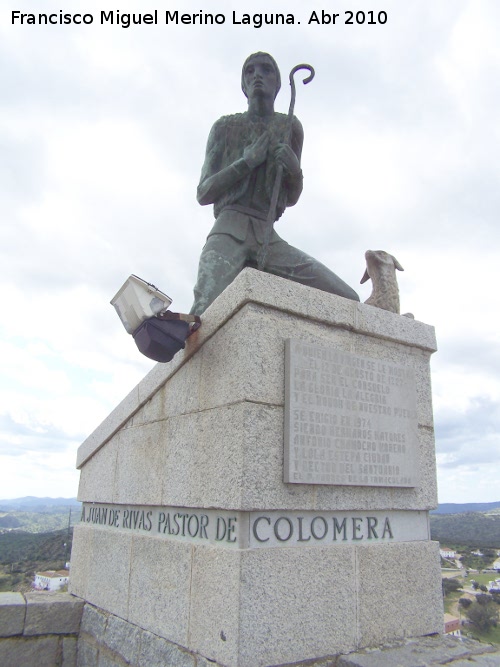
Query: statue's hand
(256, 153)
(285, 155)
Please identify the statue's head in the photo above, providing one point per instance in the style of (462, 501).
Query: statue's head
(260, 55)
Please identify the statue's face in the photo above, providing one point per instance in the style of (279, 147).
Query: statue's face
(259, 78)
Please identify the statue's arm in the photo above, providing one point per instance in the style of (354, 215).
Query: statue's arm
(214, 180)
(293, 172)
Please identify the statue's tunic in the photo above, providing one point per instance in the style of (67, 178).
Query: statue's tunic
(241, 197)
(252, 188)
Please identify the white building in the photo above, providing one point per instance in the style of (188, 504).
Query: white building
(50, 580)
(494, 586)
(447, 553)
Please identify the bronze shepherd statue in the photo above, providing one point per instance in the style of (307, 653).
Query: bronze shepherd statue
(245, 152)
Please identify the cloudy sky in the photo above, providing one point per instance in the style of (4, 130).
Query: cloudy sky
(102, 136)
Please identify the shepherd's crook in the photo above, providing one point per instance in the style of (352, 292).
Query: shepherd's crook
(279, 172)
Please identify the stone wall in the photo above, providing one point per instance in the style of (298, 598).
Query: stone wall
(39, 629)
(106, 639)
(44, 630)
(109, 641)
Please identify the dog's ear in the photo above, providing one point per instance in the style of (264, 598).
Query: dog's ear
(397, 265)
(365, 277)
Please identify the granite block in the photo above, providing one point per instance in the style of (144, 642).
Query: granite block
(152, 411)
(427, 491)
(420, 361)
(158, 652)
(138, 476)
(110, 660)
(214, 619)
(29, 652)
(262, 456)
(320, 614)
(97, 477)
(245, 359)
(69, 651)
(181, 394)
(230, 458)
(388, 578)
(159, 587)
(281, 294)
(329, 308)
(252, 286)
(232, 364)
(52, 613)
(82, 555)
(12, 613)
(87, 654)
(123, 638)
(292, 604)
(408, 357)
(197, 445)
(94, 622)
(109, 571)
(386, 325)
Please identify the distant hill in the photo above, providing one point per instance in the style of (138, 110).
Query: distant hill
(468, 524)
(9, 521)
(461, 508)
(33, 504)
(38, 515)
(19, 546)
(475, 529)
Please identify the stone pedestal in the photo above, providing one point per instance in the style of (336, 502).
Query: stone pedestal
(189, 530)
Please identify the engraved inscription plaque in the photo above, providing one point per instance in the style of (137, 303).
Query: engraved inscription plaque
(349, 419)
(258, 529)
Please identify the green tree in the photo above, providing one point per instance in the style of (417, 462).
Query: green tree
(483, 616)
(489, 553)
(450, 585)
(482, 598)
(465, 602)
